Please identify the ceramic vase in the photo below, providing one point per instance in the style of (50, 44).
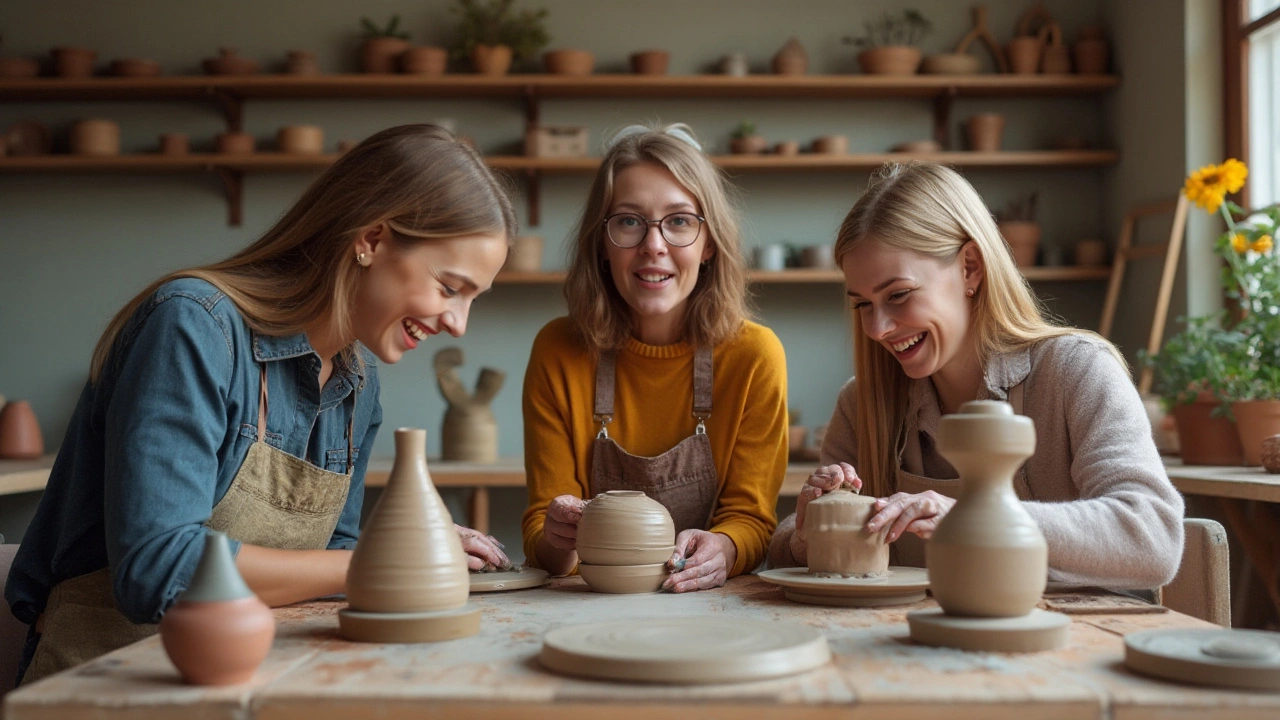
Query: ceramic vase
(791, 59)
(219, 632)
(985, 131)
(409, 558)
(1023, 237)
(987, 558)
(835, 532)
(381, 54)
(1256, 420)
(625, 527)
(20, 437)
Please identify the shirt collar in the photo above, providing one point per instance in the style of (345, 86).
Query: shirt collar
(1003, 371)
(282, 347)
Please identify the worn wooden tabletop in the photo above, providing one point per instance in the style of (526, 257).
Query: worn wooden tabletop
(312, 674)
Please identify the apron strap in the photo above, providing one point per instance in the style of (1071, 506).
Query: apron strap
(606, 371)
(351, 422)
(262, 403)
(702, 384)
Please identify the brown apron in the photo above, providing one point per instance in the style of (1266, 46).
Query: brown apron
(683, 478)
(908, 549)
(275, 500)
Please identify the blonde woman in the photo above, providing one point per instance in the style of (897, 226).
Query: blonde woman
(242, 396)
(656, 380)
(942, 316)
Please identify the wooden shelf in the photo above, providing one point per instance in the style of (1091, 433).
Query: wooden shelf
(19, 476)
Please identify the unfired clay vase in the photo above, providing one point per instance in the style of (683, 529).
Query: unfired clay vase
(1271, 454)
(424, 60)
(95, 137)
(987, 557)
(791, 59)
(839, 544)
(629, 522)
(624, 579)
(650, 62)
(382, 54)
(569, 62)
(218, 632)
(470, 430)
(20, 437)
(985, 131)
(300, 139)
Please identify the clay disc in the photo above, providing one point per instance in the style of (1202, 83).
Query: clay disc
(1039, 630)
(685, 650)
(509, 580)
(409, 627)
(1210, 656)
(901, 586)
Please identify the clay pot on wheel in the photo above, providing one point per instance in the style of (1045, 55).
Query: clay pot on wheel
(625, 527)
(835, 531)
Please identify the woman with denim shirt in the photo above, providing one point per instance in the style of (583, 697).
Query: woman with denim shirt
(242, 396)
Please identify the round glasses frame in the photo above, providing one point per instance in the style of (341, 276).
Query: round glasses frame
(659, 222)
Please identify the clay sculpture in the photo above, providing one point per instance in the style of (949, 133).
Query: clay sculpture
(470, 430)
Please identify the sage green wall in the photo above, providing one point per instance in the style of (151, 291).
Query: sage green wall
(75, 247)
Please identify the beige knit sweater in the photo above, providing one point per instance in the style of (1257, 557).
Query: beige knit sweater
(1095, 485)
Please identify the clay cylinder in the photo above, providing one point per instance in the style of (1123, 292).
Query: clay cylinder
(300, 139)
(234, 143)
(835, 531)
(20, 437)
(985, 131)
(1024, 55)
(469, 434)
(650, 62)
(382, 54)
(174, 144)
(987, 557)
(525, 254)
(95, 137)
(73, 62)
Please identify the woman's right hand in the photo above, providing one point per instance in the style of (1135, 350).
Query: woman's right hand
(560, 526)
(822, 481)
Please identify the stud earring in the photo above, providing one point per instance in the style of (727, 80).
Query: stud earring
(360, 260)
(970, 291)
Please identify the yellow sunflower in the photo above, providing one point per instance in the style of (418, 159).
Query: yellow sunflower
(1262, 244)
(1209, 185)
(1239, 243)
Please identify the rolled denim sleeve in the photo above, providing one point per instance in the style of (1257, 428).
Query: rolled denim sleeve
(165, 423)
(348, 529)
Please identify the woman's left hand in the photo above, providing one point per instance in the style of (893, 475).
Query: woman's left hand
(708, 557)
(917, 513)
(482, 550)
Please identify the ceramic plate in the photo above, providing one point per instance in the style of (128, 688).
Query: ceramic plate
(902, 585)
(1209, 656)
(684, 650)
(509, 580)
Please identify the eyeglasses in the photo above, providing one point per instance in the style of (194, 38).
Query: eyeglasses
(627, 230)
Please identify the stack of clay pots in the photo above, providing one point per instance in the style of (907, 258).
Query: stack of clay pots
(624, 540)
(839, 545)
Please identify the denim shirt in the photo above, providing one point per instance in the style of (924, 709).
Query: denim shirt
(155, 444)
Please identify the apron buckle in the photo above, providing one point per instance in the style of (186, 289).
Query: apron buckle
(604, 421)
(701, 429)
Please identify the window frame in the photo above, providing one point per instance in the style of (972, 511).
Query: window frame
(1237, 30)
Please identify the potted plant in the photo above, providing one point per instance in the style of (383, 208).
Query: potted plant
(491, 34)
(1018, 226)
(382, 46)
(888, 43)
(745, 141)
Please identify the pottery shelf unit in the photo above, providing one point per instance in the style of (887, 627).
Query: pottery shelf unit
(231, 92)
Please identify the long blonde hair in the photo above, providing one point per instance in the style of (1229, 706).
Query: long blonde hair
(419, 179)
(930, 209)
(718, 305)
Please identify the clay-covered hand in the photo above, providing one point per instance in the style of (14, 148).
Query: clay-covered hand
(822, 481)
(917, 513)
(482, 550)
(560, 526)
(702, 560)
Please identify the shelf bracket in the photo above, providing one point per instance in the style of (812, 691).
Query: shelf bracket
(232, 109)
(942, 117)
(534, 181)
(233, 185)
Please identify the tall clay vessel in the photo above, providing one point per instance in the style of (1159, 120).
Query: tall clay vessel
(988, 557)
(219, 631)
(20, 437)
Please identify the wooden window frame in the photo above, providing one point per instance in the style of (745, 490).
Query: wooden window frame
(1237, 30)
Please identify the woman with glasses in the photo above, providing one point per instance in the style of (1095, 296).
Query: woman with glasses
(656, 380)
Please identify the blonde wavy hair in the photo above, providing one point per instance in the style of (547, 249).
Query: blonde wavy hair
(420, 180)
(930, 209)
(718, 305)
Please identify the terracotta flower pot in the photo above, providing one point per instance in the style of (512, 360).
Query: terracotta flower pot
(1023, 237)
(134, 67)
(15, 68)
(890, 60)
(229, 63)
(569, 62)
(174, 144)
(381, 54)
(1256, 420)
(20, 437)
(1090, 51)
(301, 139)
(73, 62)
(235, 143)
(491, 59)
(750, 145)
(1024, 55)
(425, 60)
(1205, 439)
(831, 145)
(985, 131)
(650, 62)
(95, 137)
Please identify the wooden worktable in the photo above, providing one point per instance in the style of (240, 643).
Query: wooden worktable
(312, 674)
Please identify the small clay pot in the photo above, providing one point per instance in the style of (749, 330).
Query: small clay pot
(73, 62)
(624, 579)
(424, 60)
(985, 131)
(229, 63)
(568, 62)
(735, 65)
(28, 138)
(16, 68)
(174, 144)
(301, 62)
(890, 60)
(1023, 237)
(831, 145)
(95, 137)
(235, 143)
(1090, 51)
(1024, 55)
(951, 64)
(381, 54)
(917, 146)
(1091, 253)
(491, 59)
(1271, 454)
(791, 59)
(749, 145)
(134, 67)
(525, 254)
(625, 520)
(650, 62)
(20, 437)
(787, 148)
(300, 139)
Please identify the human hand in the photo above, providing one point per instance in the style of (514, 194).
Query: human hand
(917, 513)
(560, 526)
(482, 550)
(702, 560)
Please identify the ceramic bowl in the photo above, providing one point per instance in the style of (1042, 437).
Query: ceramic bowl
(622, 579)
(625, 520)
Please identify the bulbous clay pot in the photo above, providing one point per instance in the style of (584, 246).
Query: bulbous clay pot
(890, 60)
(95, 137)
(625, 527)
(987, 557)
(229, 63)
(791, 59)
(20, 437)
(1023, 237)
(219, 632)
(14, 68)
(491, 59)
(1271, 454)
(424, 60)
(174, 144)
(569, 62)
(73, 62)
(985, 131)
(650, 62)
(835, 531)
(301, 139)
(382, 54)
(409, 558)
(624, 579)
(301, 62)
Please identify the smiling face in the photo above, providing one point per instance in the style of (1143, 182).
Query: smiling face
(409, 292)
(655, 278)
(914, 305)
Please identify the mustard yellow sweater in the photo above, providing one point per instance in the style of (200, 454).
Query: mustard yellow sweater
(653, 411)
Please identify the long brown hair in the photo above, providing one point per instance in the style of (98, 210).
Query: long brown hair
(718, 305)
(932, 210)
(419, 179)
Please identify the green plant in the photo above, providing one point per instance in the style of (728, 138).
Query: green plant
(392, 30)
(905, 29)
(495, 22)
(745, 129)
(1191, 362)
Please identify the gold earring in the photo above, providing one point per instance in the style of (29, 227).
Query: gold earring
(360, 260)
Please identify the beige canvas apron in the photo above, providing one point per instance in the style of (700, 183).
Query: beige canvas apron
(682, 478)
(908, 549)
(275, 500)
